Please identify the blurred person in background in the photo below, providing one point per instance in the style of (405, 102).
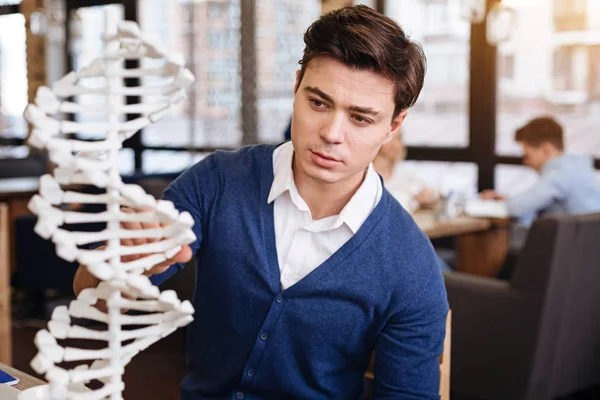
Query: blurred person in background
(568, 182)
(403, 182)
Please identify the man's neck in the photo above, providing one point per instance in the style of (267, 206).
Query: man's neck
(326, 199)
(552, 156)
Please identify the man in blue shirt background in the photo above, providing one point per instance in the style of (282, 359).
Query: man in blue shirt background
(306, 265)
(568, 183)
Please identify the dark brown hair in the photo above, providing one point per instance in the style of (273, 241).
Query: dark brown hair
(540, 130)
(362, 38)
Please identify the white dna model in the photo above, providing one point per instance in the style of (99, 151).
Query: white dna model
(97, 163)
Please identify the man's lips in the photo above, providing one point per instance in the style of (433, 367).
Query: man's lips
(326, 157)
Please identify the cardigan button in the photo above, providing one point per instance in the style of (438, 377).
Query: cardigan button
(239, 395)
(264, 336)
(279, 299)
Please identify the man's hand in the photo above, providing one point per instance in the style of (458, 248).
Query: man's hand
(184, 255)
(426, 197)
(491, 195)
(84, 279)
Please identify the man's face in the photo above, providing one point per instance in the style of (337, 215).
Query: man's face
(342, 117)
(534, 156)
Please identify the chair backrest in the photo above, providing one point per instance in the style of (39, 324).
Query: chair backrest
(571, 320)
(22, 167)
(546, 249)
(5, 317)
(560, 270)
(445, 361)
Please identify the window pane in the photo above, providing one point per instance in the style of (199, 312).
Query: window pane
(162, 161)
(514, 179)
(280, 27)
(87, 26)
(440, 116)
(208, 35)
(456, 177)
(13, 76)
(14, 151)
(557, 74)
(126, 162)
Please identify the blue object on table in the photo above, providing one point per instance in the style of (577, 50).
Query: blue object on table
(7, 379)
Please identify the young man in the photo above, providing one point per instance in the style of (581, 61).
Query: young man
(306, 264)
(568, 183)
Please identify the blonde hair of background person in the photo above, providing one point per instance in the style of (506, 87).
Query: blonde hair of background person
(403, 182)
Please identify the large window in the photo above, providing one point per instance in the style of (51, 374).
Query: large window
(440, 117)
(514, 179)
(85, 42)
(280, 26)
(13, 76)
(447, 177)
(557, 74)
(207, 35)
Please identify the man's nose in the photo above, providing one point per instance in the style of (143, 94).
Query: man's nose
(334, 130)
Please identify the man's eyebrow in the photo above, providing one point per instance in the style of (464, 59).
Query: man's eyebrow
(326, 97)
(320, 93)
(365, 110)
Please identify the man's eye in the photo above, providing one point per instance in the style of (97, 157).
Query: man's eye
(359, 119)
(318, 104)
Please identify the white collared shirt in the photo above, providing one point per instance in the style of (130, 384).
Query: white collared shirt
(303, 243)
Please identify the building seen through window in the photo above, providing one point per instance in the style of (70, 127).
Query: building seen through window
(556, 74)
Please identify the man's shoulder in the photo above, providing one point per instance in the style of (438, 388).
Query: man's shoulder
(255, 151)
(234, 162)
(400, 223)
(405, 262)
(212, 172)
(403, 240)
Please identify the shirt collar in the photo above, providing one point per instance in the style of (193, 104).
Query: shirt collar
(354, 213)
(358, 209)
(283, 178)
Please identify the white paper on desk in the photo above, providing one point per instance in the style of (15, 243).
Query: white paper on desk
(486, 208)
(8, 392)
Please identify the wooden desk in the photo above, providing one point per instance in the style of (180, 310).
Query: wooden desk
(25, 381)
(435, 229)
(16, 193)
(482, 243)
(483, 253)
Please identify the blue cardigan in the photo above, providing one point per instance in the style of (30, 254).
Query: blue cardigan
(382, 290)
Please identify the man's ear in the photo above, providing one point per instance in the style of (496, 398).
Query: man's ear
(396, 124)
(548, 148)
(297, 84)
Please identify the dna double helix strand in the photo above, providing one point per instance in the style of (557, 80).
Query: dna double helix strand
(79, 165)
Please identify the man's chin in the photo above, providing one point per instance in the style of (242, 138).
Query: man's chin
(323, 176)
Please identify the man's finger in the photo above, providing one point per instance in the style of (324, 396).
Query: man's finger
(127, 242)
(151, 225)
(184, 255)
